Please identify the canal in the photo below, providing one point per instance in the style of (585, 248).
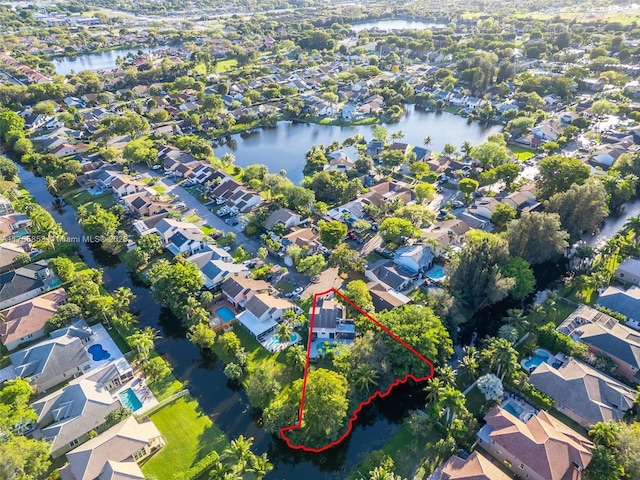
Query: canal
(203, 375)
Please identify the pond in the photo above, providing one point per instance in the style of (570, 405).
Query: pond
(228, 406)
(397, 24)
(96, 61)
(285, 146)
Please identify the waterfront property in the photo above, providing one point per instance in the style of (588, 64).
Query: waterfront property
(629, 271)
(626, 302)
(26, 321)
(541, 356)
(114, 453)
(25, 283)
(583, 393)
(541, 448)
(605, 334)
(329, 325)
(476, 466)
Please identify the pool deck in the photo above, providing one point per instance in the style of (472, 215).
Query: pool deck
(527, 410)
(320, 341)
(215, 321)
(281, 346)
(102, 337)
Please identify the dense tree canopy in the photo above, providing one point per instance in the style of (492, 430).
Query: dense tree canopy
(558, 173)
(537, 237)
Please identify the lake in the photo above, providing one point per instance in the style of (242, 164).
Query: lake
(96, 61)
(387, 25)
(285, 146)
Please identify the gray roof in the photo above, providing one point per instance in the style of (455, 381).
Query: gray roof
(50, 358)
(73, 411)
(625, 302)
(631, 265)
(327, 313)
(418, 253)
(21, 280)
(388, 273)
(589, 393)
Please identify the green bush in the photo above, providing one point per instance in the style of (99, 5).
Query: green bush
(550, 339)
(199, 468)
(536, 397)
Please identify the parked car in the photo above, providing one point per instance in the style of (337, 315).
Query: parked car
(457, 204)
(297, 291)
(156, 167)
(352, 235)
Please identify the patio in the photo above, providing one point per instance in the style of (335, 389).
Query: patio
(517, 406)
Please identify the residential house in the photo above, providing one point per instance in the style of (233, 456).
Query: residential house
(65, 417)
(236, 195)
(55, 360)
(348, 112)
(199, 174)
(306, 238)
(606, 155)
(384, 298)
(329, 322)
(605, 334)
(475, 467)
(629, 271)
(436, 240)
(24, 283)
(385, 272)
(263, 313)
(5, 206)
(542, 133)
(114, 453)
(123, 185)
(524, 200)
(414, 259)
(67, 149)
(542, 448)
(145, 203)
(187, 242)
(387, 192)
(105, 179)
(238, 289)
(594, 84)
(626, 302)
(215, 270)
(9, 253)
(583, 393)
(455, 228)
(26, 321)
(287, 218)
(12, 223)
(167, 227)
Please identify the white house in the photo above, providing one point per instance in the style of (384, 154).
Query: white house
(629, 271)
(123, 185)
(414, 259)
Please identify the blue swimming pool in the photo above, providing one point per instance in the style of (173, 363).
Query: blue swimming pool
(21, 233)
(513, 409)
(532, 363)
(226, 314)
(436, 272)
(129, 399)
(98, 353)
(274, 341)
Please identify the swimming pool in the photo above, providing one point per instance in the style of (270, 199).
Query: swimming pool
(532, 363)
(226, 314)
(98, 353)
(21, 233)
(274, 342)
(436, 272)
(129, 399)
(513, 409)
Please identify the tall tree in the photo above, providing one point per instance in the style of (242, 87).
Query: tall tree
(558, 173)
(537, 237)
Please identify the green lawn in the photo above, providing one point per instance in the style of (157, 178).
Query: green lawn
(226, 65)
(475, 401)
(192, 218)
(84, 197)
(418, 296)
(119, 340)
(165, 386)
(562, 311)
(189, 435)
(207, 229)
(522, 153)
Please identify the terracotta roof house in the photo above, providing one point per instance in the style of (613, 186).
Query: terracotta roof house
(475, 467)
(238, 289)
(26, 321)
(626, 302)
(55, 360)
(114, 453)
(9, 251)
(145, 204)
(24, 283)
(303, 237)
(583, 393)
(605, 334)
(540, 449)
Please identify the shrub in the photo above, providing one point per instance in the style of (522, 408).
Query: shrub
(554, 341)
(536, 397)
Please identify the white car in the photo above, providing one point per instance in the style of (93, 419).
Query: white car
(297, 291)
(156, 167)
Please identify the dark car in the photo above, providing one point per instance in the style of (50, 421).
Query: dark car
(352, 235)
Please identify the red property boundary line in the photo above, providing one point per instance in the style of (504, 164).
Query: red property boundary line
(377, 394)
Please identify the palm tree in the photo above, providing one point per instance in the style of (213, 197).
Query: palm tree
(52, 186)
(142, 340)
(434, 388)
(585, 253)
(452, 401)
(240, 452)
(603, 433)
(427, 141)
(297, 356)
(633, 224)
(466, 148)
(260, 465)
(398, 135)
(469, 365)
(190, 307)
(381, 473)
(508, 332)
(500, 355)
(364, 377)
(126, 320)
(447, 375)
(284, 332)
(122, 297)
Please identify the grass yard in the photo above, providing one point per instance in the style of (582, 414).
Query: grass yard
(84, 197)
(189, 435)
(226, 65)
(562, 311)
(165, 386)
(475, 401)
(207, 229)
(419, 296)
(192, 218)
(521, 153)
(119, 340)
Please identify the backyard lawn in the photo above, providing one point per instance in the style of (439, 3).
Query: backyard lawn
(521, 153)
(165, 386)
(225, 65)
(84, 197)
(189, 435)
